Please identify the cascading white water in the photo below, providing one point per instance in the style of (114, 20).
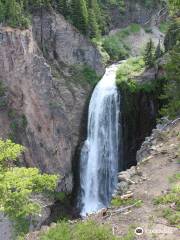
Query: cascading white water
(99, 154)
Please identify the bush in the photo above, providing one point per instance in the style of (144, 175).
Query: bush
(163, 27)
(88, 230)
(128, 71)
(19, 184)
(115, 45)
(84, 74)
(117, 202)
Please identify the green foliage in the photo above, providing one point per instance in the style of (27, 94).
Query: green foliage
(163, 27)
(173, 34)
(117, 202)
(167, 198)
(12, 12)
(134, 28)
(104, 55)
(115, 45)
(149, 54)
(61, 232)
(149, 3)
(158, 52)
(16, 13)
(84, 74)
(128, 71)
(9, 152)
(172, 197)
(88, 230)
(129, 236)
(63, 7)
(3, 100)
(173, 217)
(172, 88)
(174, 178)
(174, 6)
(19, 184)
(18, 123)
(80, 15)
(115, 48)
(2, 89)
(93, 25)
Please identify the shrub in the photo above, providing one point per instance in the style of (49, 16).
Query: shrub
(134, 28)
(172, 216)
(163, 27)
(128, 71)
(84, 74)
(88, 230)
(116, 49)
(117, 202)
(115, 44)
(19, 184)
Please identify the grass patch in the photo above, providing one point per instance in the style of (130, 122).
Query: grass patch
(174, 178)
(116, 49)
(131, 68)
(115, 45)
(134, 28)
(117, 202)
(84, 74)
(172, 216)
(127, 71)
(167, 198)
(163, 27)
(129, 236)
(173, 197)
(88, 230)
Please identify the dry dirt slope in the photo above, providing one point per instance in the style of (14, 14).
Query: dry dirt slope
(152, 180)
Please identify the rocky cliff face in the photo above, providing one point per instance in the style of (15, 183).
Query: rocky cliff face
(63, 43)
(140, 12)
(43, 105)
(139, 111)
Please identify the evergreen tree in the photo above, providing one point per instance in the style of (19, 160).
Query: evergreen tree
(80, 15)
(2, 11)
(158, 52)
(172, 88)
(93, 25)
(13, 12)
(39, 3)
(63, 7)
(149, 54)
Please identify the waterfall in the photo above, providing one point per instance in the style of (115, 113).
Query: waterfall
(100, 152)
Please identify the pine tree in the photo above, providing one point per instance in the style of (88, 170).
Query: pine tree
(13, 12)
(80, 15)
(158, 52)
(63, 7)
(172, 88)
(94, 5)
(93, 25)
(2, 11)
(149, 54)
